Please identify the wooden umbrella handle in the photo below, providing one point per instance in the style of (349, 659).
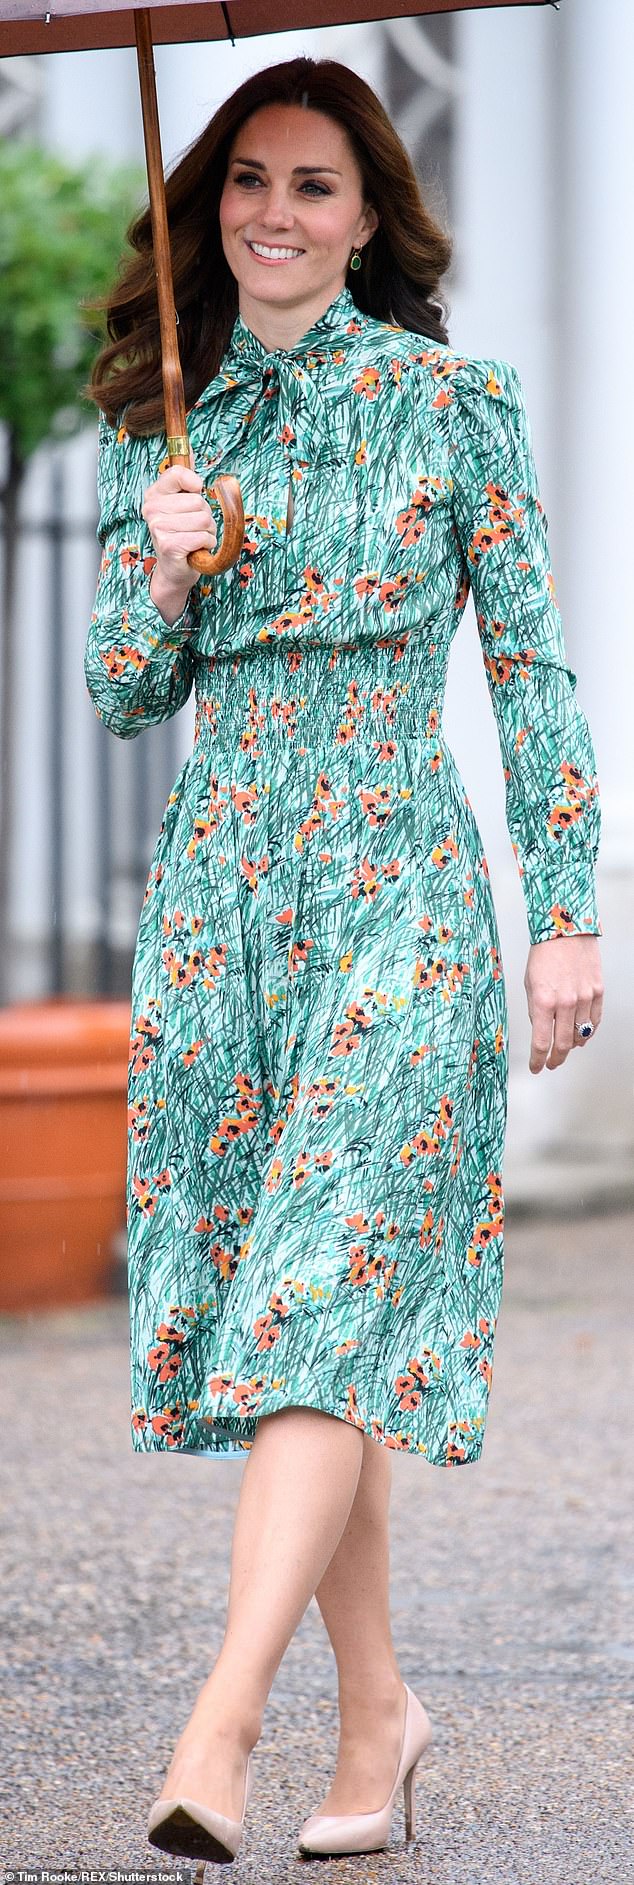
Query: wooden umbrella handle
(228, 495)
(226, 488)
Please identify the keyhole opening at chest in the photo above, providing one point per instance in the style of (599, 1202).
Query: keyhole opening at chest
(290, 510)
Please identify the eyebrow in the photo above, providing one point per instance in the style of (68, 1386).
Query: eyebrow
(300, 170)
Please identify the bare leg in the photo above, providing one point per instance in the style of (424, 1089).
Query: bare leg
(353, 1598)
(298, 1485)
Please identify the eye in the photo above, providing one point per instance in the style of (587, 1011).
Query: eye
(310, 183)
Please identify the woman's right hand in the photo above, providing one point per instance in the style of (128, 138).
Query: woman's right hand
(179, 520)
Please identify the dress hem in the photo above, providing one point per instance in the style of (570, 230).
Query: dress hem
(463, 1448)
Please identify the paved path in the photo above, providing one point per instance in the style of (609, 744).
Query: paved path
(513, 1584)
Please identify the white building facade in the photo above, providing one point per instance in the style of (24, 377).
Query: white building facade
(524, 141)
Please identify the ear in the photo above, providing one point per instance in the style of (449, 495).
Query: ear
(370, 221)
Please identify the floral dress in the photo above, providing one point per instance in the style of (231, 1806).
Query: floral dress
(319, 1034)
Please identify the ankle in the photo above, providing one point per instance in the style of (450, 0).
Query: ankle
(234, 1717)
(370, 1693)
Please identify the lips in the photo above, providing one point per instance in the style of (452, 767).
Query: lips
(276, 258)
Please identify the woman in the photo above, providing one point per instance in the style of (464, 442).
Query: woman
(318, 1070)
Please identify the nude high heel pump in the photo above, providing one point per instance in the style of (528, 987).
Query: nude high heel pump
(193, 1831)
(369, 1832)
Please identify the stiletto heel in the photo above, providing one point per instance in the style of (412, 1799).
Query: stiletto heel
(369, 1832)
(194, 1831)
(409, 1802)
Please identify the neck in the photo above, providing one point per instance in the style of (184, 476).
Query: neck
(282, 327)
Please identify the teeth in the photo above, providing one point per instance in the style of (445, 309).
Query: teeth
(261, 249)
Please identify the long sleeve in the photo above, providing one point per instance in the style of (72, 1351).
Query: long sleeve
(552, 792)
(138, 670)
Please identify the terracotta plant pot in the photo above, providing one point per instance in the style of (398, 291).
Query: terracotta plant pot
(63, 1078)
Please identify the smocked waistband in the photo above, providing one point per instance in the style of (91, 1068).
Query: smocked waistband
(328, 699)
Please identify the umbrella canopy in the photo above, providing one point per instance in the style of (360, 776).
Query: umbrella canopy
(74, 25)
(30, 26)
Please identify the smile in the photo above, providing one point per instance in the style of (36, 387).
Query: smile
(266, 254)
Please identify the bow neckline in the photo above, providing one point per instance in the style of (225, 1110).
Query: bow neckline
(332, 330)
(278, 395)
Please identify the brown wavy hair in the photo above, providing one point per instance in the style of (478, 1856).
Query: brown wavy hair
(401, 263)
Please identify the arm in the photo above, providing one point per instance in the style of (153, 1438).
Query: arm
(138, 669)
(552, 791)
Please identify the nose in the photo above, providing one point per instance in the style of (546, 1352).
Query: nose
(276, 212)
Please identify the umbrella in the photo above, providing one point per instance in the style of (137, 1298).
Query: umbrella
(29, 26)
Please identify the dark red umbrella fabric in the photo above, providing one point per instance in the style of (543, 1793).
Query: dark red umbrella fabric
(76, 25)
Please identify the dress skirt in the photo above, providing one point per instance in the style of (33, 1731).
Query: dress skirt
(318, 1074)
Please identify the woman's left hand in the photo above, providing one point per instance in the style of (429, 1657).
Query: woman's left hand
(564, 985)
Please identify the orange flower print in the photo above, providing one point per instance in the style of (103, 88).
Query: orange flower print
(318, 1051)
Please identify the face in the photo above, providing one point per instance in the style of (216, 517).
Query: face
(290, 214)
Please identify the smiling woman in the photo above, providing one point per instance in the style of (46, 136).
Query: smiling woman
(352, 175)
(319, 1044)
(281, 219)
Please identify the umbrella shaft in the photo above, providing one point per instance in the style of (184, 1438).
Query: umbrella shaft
(173, 390)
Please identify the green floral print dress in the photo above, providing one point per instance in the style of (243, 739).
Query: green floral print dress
(319, 1036)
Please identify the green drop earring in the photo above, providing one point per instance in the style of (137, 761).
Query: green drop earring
(355, 259)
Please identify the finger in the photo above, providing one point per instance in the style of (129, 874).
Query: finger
(588, 1011)
(166, 526)
(596, 1010)
(164, 497)
(179, 478)
(177, 552)
(541, 1037)
(182, 513)
(564, 1031)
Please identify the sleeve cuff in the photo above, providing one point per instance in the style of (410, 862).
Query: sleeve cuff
(553, 912)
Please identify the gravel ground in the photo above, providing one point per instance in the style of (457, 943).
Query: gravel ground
(512, 1604)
